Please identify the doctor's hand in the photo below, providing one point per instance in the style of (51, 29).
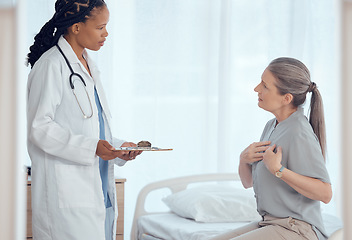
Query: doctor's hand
(254, 152)
(272, 160)
(131, 154)
(106, 152)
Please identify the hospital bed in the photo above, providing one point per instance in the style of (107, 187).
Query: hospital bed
(200, 222)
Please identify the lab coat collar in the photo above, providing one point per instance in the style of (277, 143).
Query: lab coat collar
(68, 51)
(73, 59)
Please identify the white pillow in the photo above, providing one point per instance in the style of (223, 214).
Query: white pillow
(214, 203)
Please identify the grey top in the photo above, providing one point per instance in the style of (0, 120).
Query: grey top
(301, 153)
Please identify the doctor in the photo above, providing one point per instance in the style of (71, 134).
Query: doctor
(69, 136)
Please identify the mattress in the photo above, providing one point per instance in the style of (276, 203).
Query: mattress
(172, 227)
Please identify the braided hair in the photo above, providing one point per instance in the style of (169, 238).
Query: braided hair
(67, 13)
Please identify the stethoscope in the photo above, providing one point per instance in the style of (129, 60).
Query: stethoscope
(73, 87)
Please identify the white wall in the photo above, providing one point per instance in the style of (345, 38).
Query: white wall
(11, 174)
(7, 125)
(346, 51)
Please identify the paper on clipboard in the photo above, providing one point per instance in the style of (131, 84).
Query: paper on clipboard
(142, 149)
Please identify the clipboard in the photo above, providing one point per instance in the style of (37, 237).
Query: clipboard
(153, 149)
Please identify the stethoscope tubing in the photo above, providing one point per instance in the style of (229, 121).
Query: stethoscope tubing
(73, 87)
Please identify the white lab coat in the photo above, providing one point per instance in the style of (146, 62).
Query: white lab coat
(67, 198)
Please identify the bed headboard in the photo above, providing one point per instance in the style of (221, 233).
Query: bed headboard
(175, 185)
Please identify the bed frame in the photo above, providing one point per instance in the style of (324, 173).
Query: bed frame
(181, 183)
(175, 185)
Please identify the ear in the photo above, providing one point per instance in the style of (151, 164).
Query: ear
(75, 28)
(288, 97)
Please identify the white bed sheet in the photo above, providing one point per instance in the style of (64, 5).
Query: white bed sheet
(172, 227)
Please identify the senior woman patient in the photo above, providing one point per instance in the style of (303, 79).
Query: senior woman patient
(287, 167)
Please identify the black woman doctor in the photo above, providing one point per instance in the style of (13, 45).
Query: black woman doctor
(69, 137)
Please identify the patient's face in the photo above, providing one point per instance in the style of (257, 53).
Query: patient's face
(268, 95)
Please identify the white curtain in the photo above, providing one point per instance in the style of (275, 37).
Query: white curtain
(181, 75)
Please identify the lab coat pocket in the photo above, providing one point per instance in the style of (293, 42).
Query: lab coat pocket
(75, 186)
